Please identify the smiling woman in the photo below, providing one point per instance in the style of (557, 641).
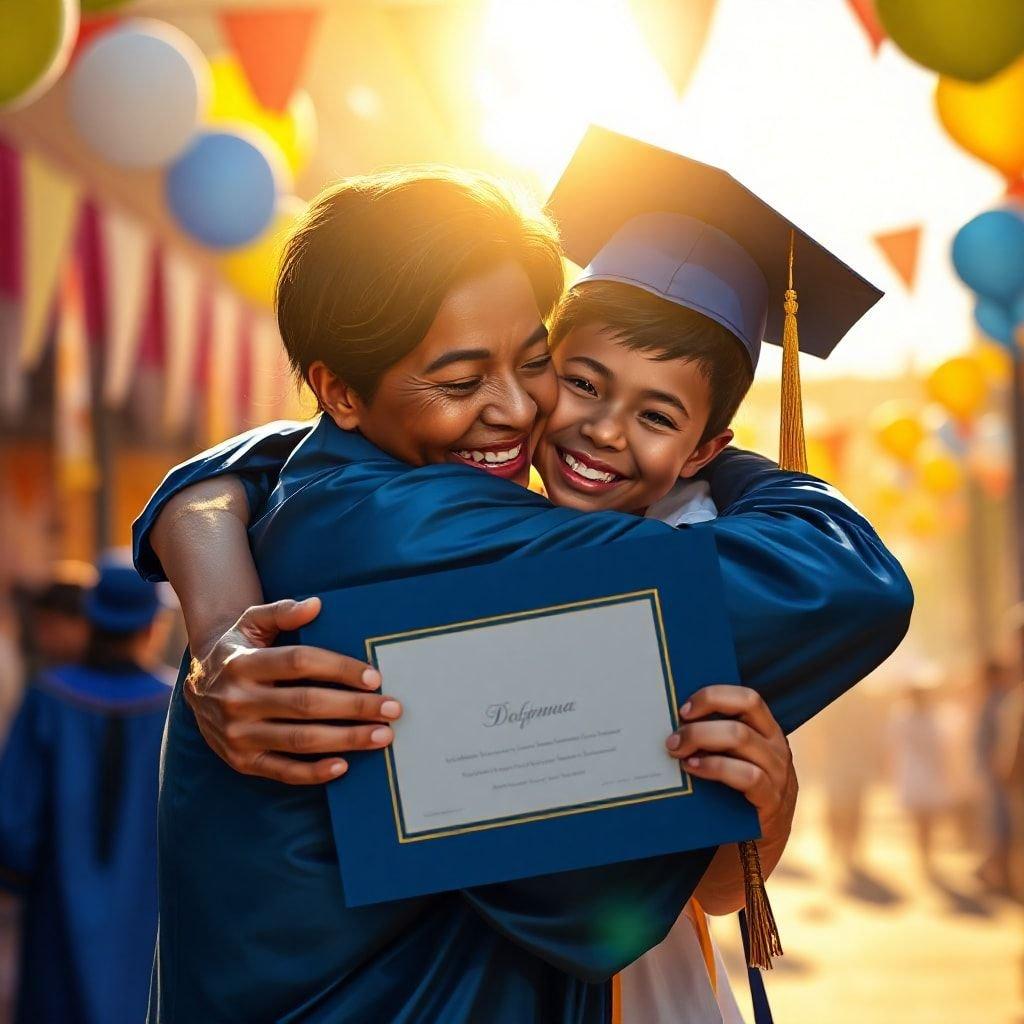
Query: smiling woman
(431, 342)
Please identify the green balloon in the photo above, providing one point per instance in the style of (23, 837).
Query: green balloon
(35, 38)
(966, 39)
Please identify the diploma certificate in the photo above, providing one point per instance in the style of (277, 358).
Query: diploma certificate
(538, 694)
(514, 718)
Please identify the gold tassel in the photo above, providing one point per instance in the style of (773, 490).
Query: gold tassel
(792, 447)
(764, 933)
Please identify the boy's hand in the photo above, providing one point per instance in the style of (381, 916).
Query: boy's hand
(253, 724)
(746, 750)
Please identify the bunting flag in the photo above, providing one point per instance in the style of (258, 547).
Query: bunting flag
(127, 253)
(182, 330)
(864, 11)
(221, 381)
(271, 45)
(73, 440)
(49, 214)
(901, 249)
(265, 383)
(675, 34)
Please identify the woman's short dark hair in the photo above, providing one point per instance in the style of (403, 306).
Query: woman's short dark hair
(365, 272)
(649, 323)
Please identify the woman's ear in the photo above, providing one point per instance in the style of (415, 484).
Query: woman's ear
(338, 399)
(704, 453)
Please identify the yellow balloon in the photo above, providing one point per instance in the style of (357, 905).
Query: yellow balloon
(995, 361)
(960, 387)
(253, 269)
(987, 118)
(293, 130)
(898, 430)
(940, 473)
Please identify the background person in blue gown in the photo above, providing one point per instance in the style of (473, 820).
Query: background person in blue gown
(78, 799)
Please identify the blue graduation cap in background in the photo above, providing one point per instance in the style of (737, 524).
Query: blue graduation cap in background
(693, 235)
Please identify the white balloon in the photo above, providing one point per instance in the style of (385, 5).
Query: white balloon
(137, 93)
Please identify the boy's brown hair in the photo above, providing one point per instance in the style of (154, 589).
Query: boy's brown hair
(365, 272)
(648, 323)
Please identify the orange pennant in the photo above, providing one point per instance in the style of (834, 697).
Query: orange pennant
(271, 45)
(865, 13)
(901, 250)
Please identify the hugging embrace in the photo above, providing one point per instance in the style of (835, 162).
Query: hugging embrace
(425, 310)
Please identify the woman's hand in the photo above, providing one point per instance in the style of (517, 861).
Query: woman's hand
(747, 751)
(253, 724)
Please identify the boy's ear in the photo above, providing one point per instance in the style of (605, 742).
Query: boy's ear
(703, 454)
(338, 399)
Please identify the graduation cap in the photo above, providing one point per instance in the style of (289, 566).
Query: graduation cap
(692, 234)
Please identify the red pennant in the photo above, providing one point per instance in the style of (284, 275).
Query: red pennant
(864, 11)
(901, 249)
(10, 222)
(271, 45)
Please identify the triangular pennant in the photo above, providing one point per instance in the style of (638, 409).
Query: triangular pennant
(675, 34)
(127, 252)
(73, 436)
(221, 389)
(49, 214)
(864, 11)
(901, 249)
(271, 45)
(181, 305)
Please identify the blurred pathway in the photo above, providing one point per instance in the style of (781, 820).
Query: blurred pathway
(899, 952)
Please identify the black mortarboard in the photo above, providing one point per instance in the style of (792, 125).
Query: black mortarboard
(632, 212)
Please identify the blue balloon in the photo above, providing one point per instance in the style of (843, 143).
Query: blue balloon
(995, 321)
(988, 253)
(223, 190)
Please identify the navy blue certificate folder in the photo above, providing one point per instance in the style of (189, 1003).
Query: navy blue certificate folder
(538, 694)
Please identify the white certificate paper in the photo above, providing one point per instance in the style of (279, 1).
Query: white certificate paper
(520, 717)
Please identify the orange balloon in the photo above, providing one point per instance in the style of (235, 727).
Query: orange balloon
(940, 472)
(987, 118)
(959, 385)
(898, 430)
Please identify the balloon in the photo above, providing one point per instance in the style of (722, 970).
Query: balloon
(994, 321)
(987, 118)
(224, 189)
(988, 253)
(36, 39)
(253, 269)
(969, 40)
(137, 92)
(294, 130)
(897, 430)
(960, 387)
(995, 362)
(940, 472)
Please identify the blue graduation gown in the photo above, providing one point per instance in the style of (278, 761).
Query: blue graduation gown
(253, 924)
(89, 924)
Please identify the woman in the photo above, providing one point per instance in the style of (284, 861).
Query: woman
(392, 281)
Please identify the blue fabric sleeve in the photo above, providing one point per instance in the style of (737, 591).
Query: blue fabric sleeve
(24, 780)
(255, 458)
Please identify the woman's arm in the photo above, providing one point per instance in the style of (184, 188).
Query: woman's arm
(200, 538)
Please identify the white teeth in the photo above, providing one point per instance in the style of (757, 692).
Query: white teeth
(586, 471)
(491, 458)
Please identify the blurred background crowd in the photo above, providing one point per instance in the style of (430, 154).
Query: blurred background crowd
(153, 155)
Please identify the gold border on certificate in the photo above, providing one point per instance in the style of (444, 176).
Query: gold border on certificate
(651, 596)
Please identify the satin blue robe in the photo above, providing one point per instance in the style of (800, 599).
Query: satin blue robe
(88, 926)
(253, 924)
